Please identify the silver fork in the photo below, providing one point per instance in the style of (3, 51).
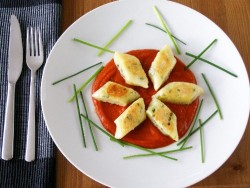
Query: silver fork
(34, 59)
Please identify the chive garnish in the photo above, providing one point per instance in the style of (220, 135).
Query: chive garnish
(90, 127)
(126, 143)
(166, 29)
(85, 84)
(194, 131)
(155, 26)
(72, 75)
(92, 45)
(79, 116)
(210, 63)
(103, 131)
(213, 95)
(98, 127)
(151, 154)
(113, 139)
(196, 116)
(197, 57)
(149, 151)
(116, 36)
(201, 143)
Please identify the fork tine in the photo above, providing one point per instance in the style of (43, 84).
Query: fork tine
(28, 43)
(40, 44)
(36, 50)
(31, 42)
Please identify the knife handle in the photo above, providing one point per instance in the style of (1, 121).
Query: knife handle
(8, 134)
(30, 141)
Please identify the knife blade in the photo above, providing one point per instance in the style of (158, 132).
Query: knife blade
(15, 64)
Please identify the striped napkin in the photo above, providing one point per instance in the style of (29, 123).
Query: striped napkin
(44, 14)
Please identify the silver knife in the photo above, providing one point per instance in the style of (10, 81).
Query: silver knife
(15, 64)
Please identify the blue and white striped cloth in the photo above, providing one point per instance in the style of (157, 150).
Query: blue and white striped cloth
(46, 15)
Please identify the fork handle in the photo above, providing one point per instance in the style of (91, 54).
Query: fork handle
(8, 134)
(30, 141)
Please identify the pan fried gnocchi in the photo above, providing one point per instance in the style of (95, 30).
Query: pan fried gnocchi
(154, 110)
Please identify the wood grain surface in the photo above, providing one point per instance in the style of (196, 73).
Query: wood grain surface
(233, 16)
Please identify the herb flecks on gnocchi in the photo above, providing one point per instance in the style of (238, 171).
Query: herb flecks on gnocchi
(133, 116)
(114, 93)
(131, 70)
(179, 93)
(163, 118)
(161, 67)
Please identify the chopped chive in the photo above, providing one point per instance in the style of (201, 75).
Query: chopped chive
(213, 95)
(166, 29)
(85, 84)
(56, 82)
(201, 143)
(210, 63)
(90, 127)
(197, 57)
(112, 138)
(194, 131)
(79, 116)
(155, 26)
(196, 116)
(115, 37)
(151, 154)
(92, 45)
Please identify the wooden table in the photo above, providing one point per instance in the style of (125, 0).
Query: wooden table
(233, 16)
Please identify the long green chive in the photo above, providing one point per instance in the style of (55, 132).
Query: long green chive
(151, 154)
(90, 126)
(200, 54)
(113, 139)
(194, 131)
(155, 26)
(125, 143)
(79, 116)
(92, 45)
(149, 151)
(85, 84)
(196, 116)
(201, 143)
(103, 131)
(72, 75)
(213, 95)
(116, 36)
(210, 63)
(166, 29)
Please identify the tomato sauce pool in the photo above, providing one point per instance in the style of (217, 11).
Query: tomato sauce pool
(146, 134)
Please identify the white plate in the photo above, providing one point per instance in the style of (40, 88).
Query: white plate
(107, 165)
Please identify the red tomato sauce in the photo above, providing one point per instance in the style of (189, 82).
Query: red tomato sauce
(146, 134)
